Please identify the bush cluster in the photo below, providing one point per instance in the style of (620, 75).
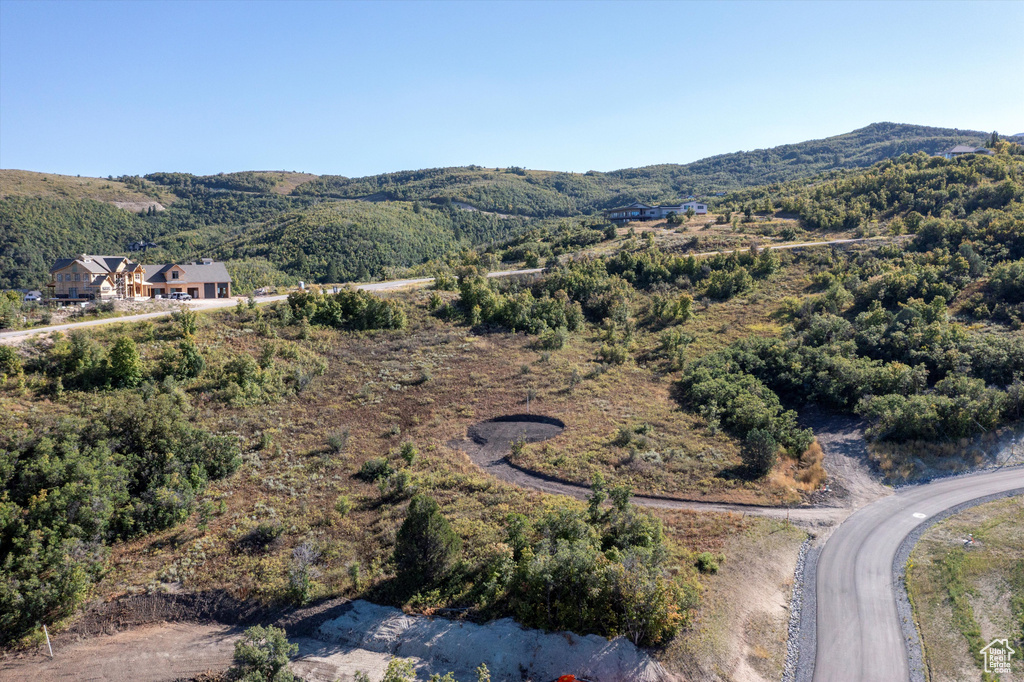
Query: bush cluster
(128, 466)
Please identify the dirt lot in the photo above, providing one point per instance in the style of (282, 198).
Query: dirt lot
(146, 654)
(340, 641)
(741, 629)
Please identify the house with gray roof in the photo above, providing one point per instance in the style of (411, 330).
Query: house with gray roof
(961, 149)
(103, 278)
(643, 212)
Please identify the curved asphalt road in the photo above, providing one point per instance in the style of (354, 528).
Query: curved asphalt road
(858, 629)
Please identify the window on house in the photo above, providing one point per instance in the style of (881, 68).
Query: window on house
(174, 274)
(78, 278)
(60, 278)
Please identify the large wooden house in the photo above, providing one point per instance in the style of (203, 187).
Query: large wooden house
(103, 278)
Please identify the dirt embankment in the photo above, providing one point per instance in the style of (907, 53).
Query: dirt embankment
(336, 640)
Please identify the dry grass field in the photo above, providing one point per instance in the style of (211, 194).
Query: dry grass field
(18, 183)
(425, 385)
(965, 596)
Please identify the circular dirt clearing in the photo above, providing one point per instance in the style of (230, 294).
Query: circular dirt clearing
(501, 432)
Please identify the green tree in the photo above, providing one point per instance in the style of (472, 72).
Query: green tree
(188, 320)
(760, 452)
(126, 369)
(190, 361)
(399, 670)
(426, 547)
(10, 363)
(262, 655)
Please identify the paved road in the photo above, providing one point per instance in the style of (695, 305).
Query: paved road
(859, 635)
(858, 628)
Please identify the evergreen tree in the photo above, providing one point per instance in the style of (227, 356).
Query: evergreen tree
(125, 364)
(760, 452)
(426, 547)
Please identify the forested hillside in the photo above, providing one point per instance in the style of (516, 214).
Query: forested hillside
(545, 193)
(35, 231)
(922, 338)
(289, 226)
(353, 240)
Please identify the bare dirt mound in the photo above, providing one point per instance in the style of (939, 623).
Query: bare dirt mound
(510, 651)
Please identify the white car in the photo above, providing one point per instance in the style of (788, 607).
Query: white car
(179, 296)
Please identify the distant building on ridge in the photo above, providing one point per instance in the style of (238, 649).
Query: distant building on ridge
(643, 212)
(962, 149)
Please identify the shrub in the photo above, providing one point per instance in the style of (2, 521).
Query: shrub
(398, 485)
(760, 452)
(554, 339)
(612, 354)
(399, 670)
(338, 440)
(706, 562)
(348, 309)
(409, 453)
(10, 363)
(375, 468)
(262, 655)
(187, 320)
(264, 534)
(190, 361)
(302, 572)
(343, 505)
(723, 284)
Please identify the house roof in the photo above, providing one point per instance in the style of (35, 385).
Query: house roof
(101, 266)
(95, 264)
(193, 272)
(964, 149)
(635, 204)
(645, 206)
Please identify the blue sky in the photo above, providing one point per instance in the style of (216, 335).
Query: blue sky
(355, 88)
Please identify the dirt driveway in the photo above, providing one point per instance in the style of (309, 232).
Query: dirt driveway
(146, 654)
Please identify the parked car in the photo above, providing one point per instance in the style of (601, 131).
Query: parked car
(179, 296)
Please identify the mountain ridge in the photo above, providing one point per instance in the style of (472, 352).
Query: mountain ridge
(235, 216)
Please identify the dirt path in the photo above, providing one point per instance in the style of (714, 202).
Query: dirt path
(145, 654)
(489, 443)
